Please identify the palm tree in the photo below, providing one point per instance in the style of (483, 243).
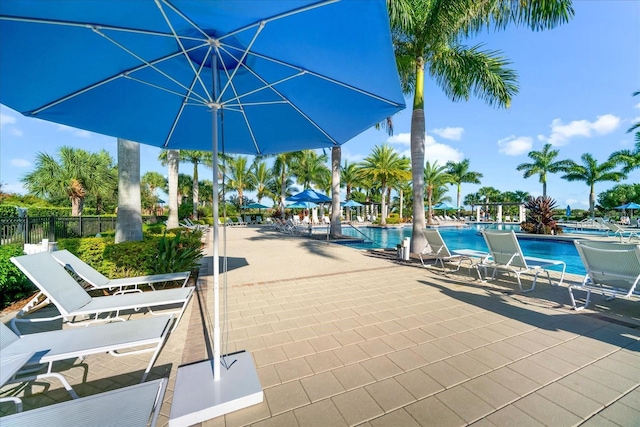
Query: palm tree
(196, 157)
(591, 172)
(310, 168)
(543, 164)
(488, 195)
(349, 178)
(435, 176)
(129, 218)
(152, 181)
(76, 174)
(384, 166)
(171, 159)
(428, 33)
(459, 173)
(282, 170)
(262, 176)
(240, 176)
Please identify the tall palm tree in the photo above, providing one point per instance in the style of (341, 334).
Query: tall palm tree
(428, 34)
(153, 180)
(77, 173)
(196, 157)
(489, 195)
(310, 168)
(262, 175)
(591, 172)
(171, 159)
(240, 176)
(349, 178)
(473, 200)
(543, 164)
(435, 176)
(460, 173)
(282, 170)
(129, 218)
(384, 165)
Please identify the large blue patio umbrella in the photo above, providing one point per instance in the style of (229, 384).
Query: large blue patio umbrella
(302, 205)
(252, 76)
(631, 206)
(351, 204)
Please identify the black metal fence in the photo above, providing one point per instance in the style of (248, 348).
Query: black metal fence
(32, 229)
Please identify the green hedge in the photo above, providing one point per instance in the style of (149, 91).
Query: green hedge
(14, 285)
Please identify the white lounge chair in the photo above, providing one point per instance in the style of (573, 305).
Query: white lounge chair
(187, 223)
(438, 249)
(613, 269)
(32, 351)
(360, 219)
(134, 406)
(621, 232)
(506, 255)
(240, 221)
(71, 300)
(97, 280)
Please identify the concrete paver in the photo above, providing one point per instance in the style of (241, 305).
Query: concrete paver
(346, 337)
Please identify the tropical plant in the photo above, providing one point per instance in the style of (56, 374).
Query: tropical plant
(196, 157)
(76, 174)
(282, 172)
(310, 168)
(489, 195)
(14, 285)
(591, 172)
(428, 34)
(460, 173)
(384, 166)
(171, 159)
(149, 183)
(263, 176)
(539, 219)
(174, 255)
(543, 164)
(435, 177)
(619, 195)
(240, 176)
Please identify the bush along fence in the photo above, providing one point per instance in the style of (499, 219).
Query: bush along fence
(32, 229)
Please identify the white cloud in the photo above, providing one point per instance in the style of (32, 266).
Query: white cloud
(433, 150)
(350, 157)
(76, 132)
(6, 119)
(449, 133)
(401, 138)
(638, 105)
(20, 163)
(515, 146)
(561, 133)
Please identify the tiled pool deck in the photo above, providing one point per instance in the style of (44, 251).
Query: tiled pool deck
(344, 337)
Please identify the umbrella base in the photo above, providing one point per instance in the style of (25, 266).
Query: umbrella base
(197, 397)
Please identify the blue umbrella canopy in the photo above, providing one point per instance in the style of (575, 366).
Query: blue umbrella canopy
(309, 195)
(255, 206)
(254, 77)
(630, 205)
(445, 206)
(289, 75)
(302, 205)
(568, 211)
(351, 204)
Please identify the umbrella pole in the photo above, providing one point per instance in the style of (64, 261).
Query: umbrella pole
(216, 232)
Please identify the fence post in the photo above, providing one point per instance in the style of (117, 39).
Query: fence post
(27, 237)
(52, 228)
(81, 230)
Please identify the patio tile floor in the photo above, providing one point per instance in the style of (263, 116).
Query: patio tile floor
(345, 337)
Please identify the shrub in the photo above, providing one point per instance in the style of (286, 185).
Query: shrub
(539, 218)
(13, 284)
(176, 254)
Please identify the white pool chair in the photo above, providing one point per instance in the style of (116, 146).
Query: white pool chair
(438, 249)
(506, 255)
(72, 301)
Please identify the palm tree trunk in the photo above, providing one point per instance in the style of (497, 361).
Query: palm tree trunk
(336, 158)
(129, 218)
(592, 201)
(544, 188)
(173, 159)
(76, 206)
(401, 204)
(417, 160)
(383, 204)
(283, 189)
(196, 190)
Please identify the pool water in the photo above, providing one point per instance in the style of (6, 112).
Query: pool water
(468, 238)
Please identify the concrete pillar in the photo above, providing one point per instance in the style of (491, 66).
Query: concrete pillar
(522, 213)
(499, 219)
(477, 213)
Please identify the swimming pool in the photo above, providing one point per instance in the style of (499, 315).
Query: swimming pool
(468, 238)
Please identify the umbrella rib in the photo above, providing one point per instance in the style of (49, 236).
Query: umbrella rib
(244, 114)
(177, 118)
(184, 51)
(281, 16)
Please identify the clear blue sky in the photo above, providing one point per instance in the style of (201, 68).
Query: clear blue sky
(575, 91)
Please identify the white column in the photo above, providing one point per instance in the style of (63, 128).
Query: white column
(499, 219)
(522, 213)
(477, 213)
